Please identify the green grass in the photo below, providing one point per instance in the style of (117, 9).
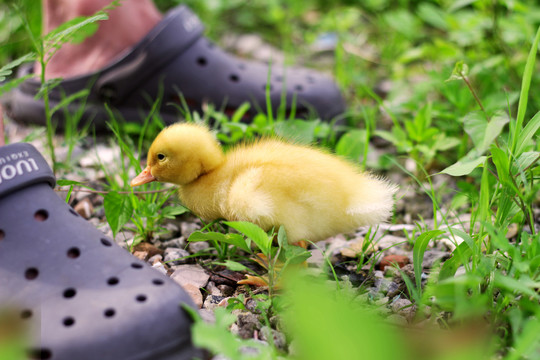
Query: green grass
(458, 98)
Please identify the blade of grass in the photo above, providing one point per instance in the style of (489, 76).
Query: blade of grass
(515, 129)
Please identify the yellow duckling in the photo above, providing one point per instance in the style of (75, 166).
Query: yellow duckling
(313, 194)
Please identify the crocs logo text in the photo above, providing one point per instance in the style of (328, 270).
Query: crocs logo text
(16, 164)
(191, 22)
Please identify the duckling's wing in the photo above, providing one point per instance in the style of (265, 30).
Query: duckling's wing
(247, 200)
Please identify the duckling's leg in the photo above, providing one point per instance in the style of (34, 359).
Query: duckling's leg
(302, 243)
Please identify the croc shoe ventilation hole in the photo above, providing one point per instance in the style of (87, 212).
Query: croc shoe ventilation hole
(106, 242)
(234, 78)
(109, 313)
(31, 273)
(26, 314)
(2, 234)
(136, 266)
(141, 298)
(70, 293)
(40, 354)
(113, 281)
(73, 253)
(68, 321)
(41, 215)
(201, 61)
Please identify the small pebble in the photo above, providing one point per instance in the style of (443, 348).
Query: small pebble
(213, 289)
(394, 289)
(433, 256)
(160, 267)
(400, 304)
(278, 338)
(382, 301)
(141, 255)
(175, 256)
(171, 230)
(207, 316)
(226, 290)
(191, 274)
(390, 271)
(84, 208)
(154, 259)
(400, 260)
(213, 301)
(187, 228)
(179, 242)
(382, 285)
(198, 246)
(247, 323)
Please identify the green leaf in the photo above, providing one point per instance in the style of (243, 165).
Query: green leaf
(321, 323)
(500, 159)
(68, 100)
(527, 345)
(461, 255)
(515, 129)
(240, 112)
(9, 85)
(297, 130)
(234, 266)
(351, 144)
(255, 233)
(7, 69)
(464, 166)
(494, 129)
(74, 30)
(118, 210)
(484, 211)
(172, 211)
(295, 255)
(443, 142)
(527, 134)
(420, 246)
(523, 285)
(282, 237)
(216, 337)
(233, 239)
(63, 182)
(459, 4)
(433, 15)
(482, 132)
(460, 71)
(527, 159)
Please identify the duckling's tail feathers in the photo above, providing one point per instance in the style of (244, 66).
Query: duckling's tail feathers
(376, 202)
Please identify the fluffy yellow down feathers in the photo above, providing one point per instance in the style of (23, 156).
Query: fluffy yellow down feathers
(313, 194)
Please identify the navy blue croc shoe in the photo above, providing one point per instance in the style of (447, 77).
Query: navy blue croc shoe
(176, 61)
(82, 296)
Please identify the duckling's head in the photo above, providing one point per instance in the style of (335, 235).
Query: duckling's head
(180, 154)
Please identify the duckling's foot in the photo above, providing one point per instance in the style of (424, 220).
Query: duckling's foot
(259, 281)
(302, 243)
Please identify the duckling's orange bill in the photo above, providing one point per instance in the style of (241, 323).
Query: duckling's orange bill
(143, 178)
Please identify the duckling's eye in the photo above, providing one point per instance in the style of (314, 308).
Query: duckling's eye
(160, 156)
